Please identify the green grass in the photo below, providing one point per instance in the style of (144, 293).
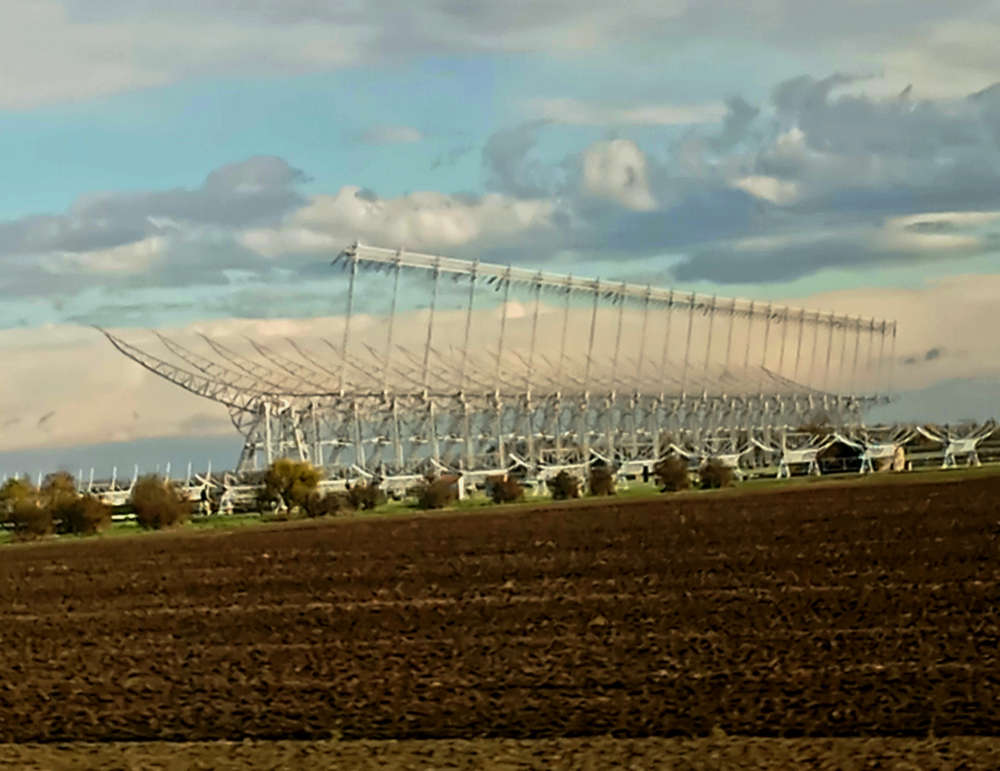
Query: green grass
(479, 502)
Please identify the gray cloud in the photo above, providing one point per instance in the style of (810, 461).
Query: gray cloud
(740, 115)
(508, 165)
(256, 191)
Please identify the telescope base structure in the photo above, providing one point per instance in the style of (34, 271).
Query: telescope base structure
(405, 437)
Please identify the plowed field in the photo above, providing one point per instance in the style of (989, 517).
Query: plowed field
(855, 611)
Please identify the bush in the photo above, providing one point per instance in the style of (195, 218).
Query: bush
(563, 486)
(83, 515)
(290, 482)
(504, 489)
(714, 474)
(30, 520)
(158, 504)
(437, 493)
(365, 496)
(671, 474)
(13, 493)
(330, 505)
(601, 481)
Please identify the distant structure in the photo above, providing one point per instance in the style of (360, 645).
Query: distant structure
(554, 372)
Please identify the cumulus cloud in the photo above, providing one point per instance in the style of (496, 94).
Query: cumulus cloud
(131, 233)
(778, 191)
(422, 220)
(617, 170)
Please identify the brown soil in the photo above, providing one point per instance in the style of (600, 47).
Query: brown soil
(593, 752)
(866, 611)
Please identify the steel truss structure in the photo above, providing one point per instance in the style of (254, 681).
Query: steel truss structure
(567, 372)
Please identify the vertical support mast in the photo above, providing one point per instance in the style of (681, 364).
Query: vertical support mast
(881, 353)
(711, 324)
(892, 360)
(468, 325)
(729, 336)
(746, 353)
(871, 352)
(843, 355)
(392, 322)
(798, 343)
(347, 321)
(618, 340)
(784, 337)
(829, 351)
(430, 326)
(857, 347)
(565, 329)
(503, 326)
(534, 334)
(687, 345)
(812, 357)
(642, 340)
(666, 341)
(767, 337)
(593, 330)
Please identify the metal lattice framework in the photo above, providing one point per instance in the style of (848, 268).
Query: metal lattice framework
(558, 372)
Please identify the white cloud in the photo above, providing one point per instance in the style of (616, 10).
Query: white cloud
(777, 191)
(617, 170)
(580, 113)
(950, 58)
(423, 220)
(58, 50)
(48, 55)
(275, 242)
(126, 258)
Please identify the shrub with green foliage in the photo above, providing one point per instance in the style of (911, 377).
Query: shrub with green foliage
(437, 493)
(365, 496)
(158, 503)
(671, 474)
(563, 486)
(714, 474)
(290, 482)
(601, 481)
(504, 489)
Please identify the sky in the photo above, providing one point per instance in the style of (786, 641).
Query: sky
(176, 164)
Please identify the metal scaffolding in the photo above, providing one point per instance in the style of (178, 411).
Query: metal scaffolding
(558, 372)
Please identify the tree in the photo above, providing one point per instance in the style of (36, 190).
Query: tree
(158, 503)
(290, 482)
